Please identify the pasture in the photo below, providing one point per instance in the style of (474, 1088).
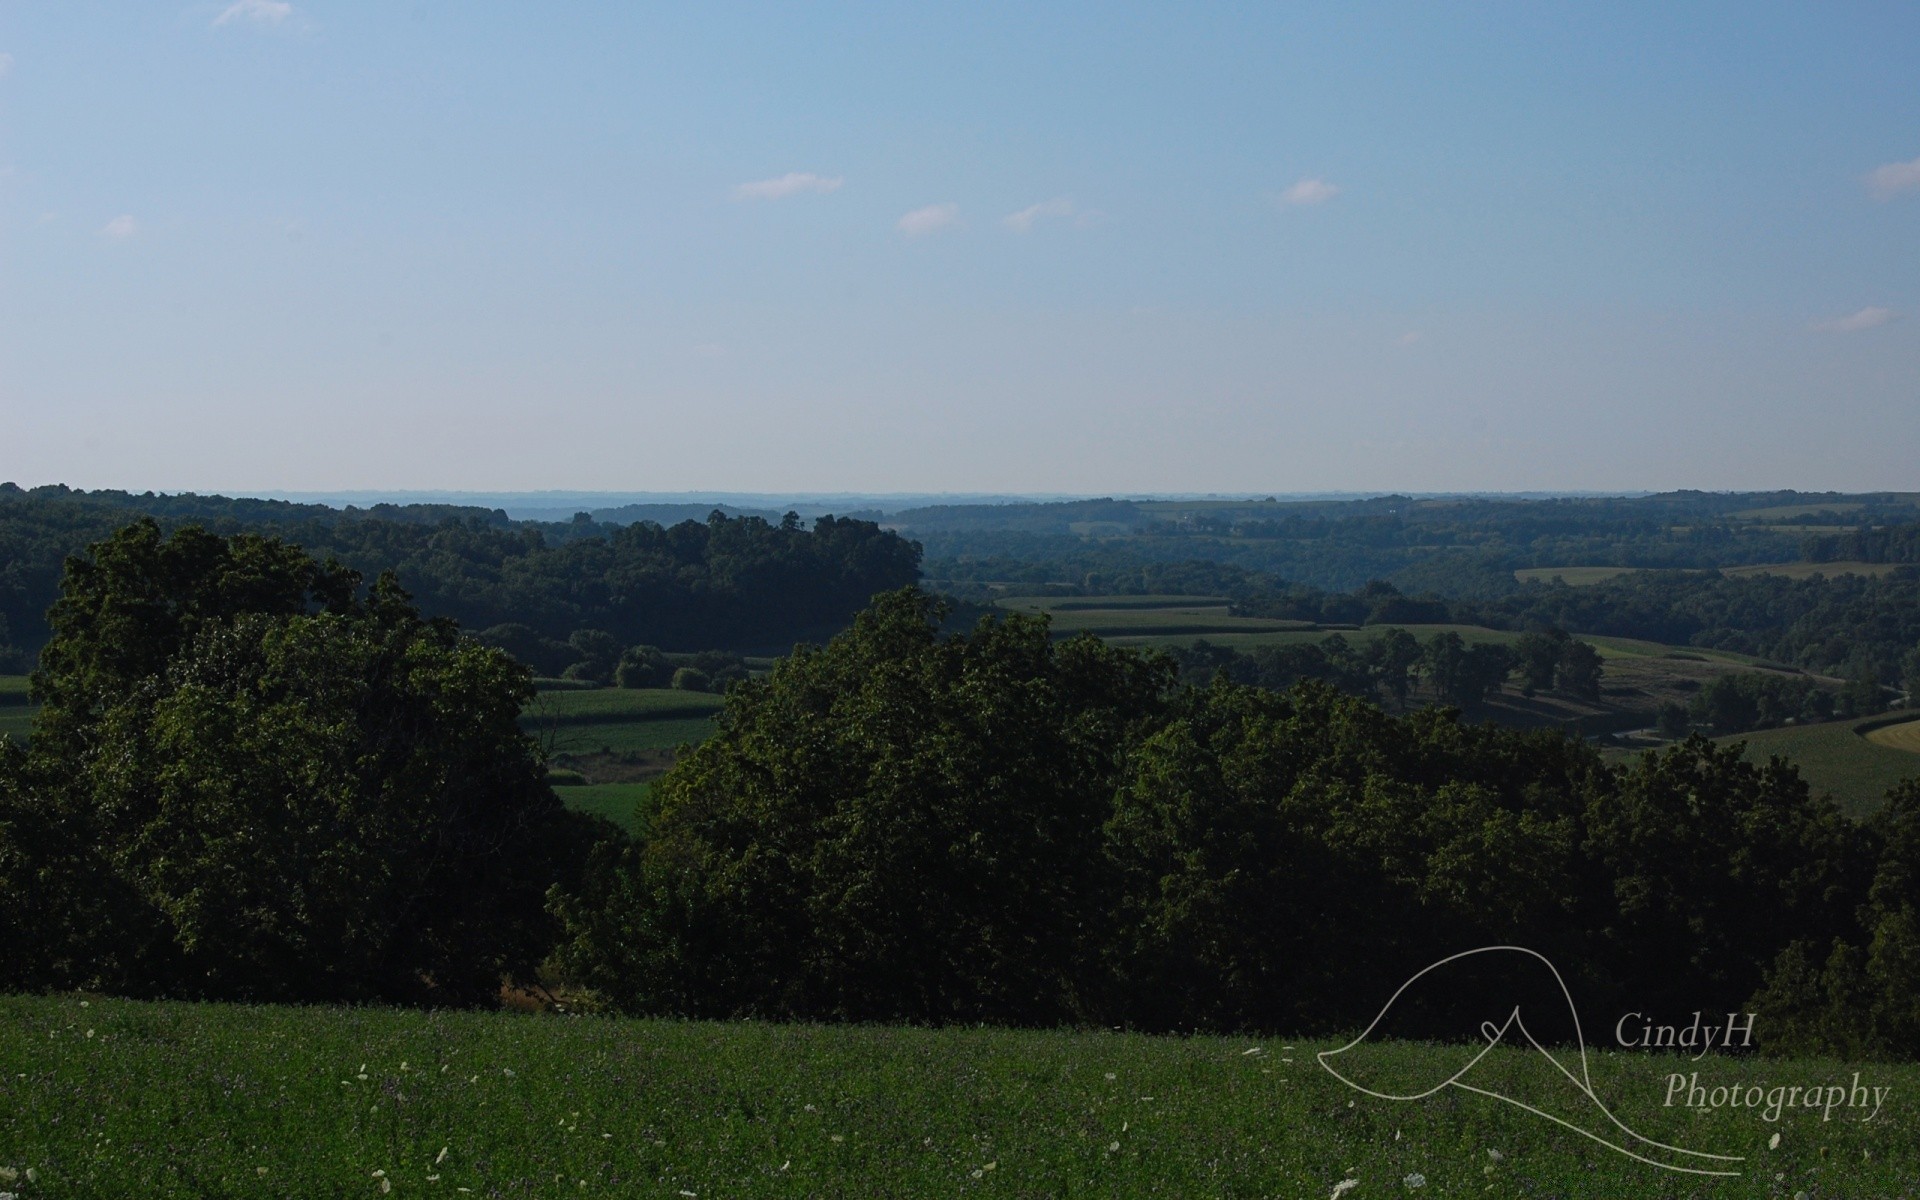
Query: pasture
(617, 802)
(1899, 735)
(619, 720)
(1571, 576)
(1119, 618)
(1834, 757)
(16, 715)
(102, 1097)
(1807, 570)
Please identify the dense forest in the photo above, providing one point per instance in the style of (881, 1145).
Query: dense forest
(1457, 545)
(740, 583)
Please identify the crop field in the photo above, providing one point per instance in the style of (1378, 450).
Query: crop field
(1806, 570)
(124, 1098)
(1122, 617)
(1057, 604)
(617, 802)
(1572, 576)
(620, 720)
(1787, 512)
(1902, 735)
(1834, 757)
(16, 716)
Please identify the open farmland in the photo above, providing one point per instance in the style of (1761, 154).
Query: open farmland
(16, 715)
(617, 802)
(1807, 570)
(1119, 618)
(614, 721)
(1899, 735)
(1571, 576)
(1836, 757)
(124, 1098)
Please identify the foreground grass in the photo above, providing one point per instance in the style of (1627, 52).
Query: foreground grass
(119, 1098)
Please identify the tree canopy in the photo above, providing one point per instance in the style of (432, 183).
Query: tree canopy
(251, 778)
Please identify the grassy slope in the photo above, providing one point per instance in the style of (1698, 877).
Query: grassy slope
(1832, 757)
(178, 1100)
(1579, 576)
(620, 720)
(617, 802)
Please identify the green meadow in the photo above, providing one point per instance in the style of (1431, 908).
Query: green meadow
(617, 802)
(1839, 758)
(619, 720)
(124, 1098)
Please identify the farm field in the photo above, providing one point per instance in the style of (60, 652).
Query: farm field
(16, 716)
(619, 720)
(617, 802)
(1899, 735)
(113, 1097)
(1119, 617)
(1572, 576)
(1805, 570)
(1834, 757)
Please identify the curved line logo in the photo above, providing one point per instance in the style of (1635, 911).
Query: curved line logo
(1513, 1030)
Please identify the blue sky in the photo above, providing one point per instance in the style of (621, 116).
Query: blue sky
(1066, 248)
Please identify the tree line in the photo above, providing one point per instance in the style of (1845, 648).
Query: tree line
(255, 776)
(743, 584)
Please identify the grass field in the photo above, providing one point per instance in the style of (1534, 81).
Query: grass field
(1787, 512)
(1834, 758)
(1122, 617)
(1804, 570)
(620, 720)
(1571, 576)
(1903, 735)
(121, 1098)
(16, 718)
(617, 802)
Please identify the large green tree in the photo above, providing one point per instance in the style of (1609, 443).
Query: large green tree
(279, 785)
(899, 825)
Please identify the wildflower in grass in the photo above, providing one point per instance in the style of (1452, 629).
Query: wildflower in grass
(440, 1157)
(9, 1174)
(1773, 1143)
(1343, 1187)
(1416, 1180)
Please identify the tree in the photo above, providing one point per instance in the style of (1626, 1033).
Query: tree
(599, 655)
(1580, 669)
(1538, 659)
(1464, 675)
(643, 667)
(691, 679)
(900, 825)
(280, 787)
(1390, 657)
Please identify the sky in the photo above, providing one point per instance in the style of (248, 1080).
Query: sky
(314, 245)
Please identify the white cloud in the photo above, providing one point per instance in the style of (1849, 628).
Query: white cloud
(6, 65)
(931, 219)
(790, 184)
(1023, 221)
(1866, 318)
(1410, 337)
(119, 229)
(1886, 182)
(1309, 191)
(260, 12)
